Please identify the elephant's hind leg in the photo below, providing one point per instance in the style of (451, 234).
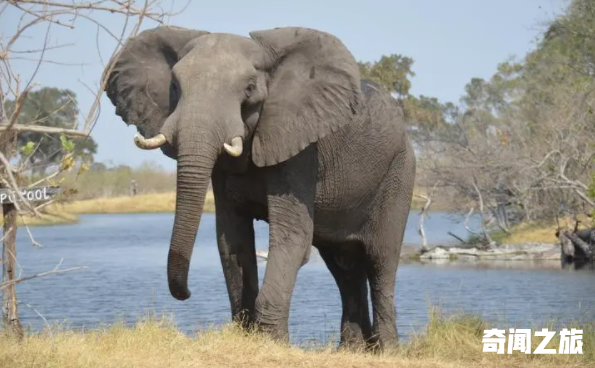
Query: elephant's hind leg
(382, 271)
(382, 241)
(346, 264)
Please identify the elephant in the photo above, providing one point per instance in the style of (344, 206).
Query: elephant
(285, 129)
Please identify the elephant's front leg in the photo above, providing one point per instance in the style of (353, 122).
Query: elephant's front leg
(291, 226)
(235, 239)
(290, 238)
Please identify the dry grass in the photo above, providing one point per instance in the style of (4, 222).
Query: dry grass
(52, 217)
(102, 181)
(542, 232)
(449, 342)
(65, 213)
(533, 233)
(143, 203)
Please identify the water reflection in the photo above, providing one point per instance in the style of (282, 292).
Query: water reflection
(578, 265)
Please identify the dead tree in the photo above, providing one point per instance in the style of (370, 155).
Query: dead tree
(423, 215)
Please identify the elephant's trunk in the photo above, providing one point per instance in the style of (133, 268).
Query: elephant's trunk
(196, 158)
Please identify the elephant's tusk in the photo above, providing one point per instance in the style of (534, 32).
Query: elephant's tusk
(235, 149)
(151, 143)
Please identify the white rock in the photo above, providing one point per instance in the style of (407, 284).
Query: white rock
(436, 253)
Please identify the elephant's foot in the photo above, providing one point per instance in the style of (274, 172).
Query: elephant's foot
(352, 338)
(272, 316)
(278, 332)
(348, 269)
(384, 340)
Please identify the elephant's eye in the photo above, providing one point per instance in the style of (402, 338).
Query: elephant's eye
(250, 89)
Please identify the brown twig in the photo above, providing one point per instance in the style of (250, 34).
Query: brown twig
(44, 129)
(56, 270)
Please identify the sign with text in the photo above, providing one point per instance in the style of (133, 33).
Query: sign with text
(30, 194)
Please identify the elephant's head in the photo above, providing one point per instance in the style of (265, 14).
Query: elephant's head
(200, 96)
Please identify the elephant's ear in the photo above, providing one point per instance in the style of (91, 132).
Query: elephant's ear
(140, 76)
(314, 90)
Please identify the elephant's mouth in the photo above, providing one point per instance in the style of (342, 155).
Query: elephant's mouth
(170, 151)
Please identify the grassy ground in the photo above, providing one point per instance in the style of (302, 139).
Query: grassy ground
(448, 342)
(143, 203)
(66, 213)
(532, 233)
(158, 202)
(53, 217)
(540, 232)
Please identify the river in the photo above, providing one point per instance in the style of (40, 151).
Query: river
(125, 278)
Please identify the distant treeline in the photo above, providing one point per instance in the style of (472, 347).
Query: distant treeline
(101, 180)
(519, 146)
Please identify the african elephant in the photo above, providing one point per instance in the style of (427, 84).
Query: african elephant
(288, 133)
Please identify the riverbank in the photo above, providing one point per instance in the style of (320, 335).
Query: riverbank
(448, 342)
(66, 213)
(543, 232)
(52, 217)
(142, 203)
(531, 232)
(504, 252)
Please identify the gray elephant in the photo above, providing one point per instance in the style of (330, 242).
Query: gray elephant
(288, 133)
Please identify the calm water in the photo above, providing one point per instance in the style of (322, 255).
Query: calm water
(125, 277)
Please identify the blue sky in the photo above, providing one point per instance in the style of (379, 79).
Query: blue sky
(451, 42)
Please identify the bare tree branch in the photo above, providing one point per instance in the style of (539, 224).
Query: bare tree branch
(55, 271)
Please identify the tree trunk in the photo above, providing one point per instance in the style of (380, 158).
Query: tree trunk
(10, 312)
(502, 217)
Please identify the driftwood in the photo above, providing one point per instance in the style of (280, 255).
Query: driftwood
(423, 215)
(458, 238)
(577, 244)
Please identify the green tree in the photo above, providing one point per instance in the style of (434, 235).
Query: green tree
(50, 107)
(573, 35)
(392, 72)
